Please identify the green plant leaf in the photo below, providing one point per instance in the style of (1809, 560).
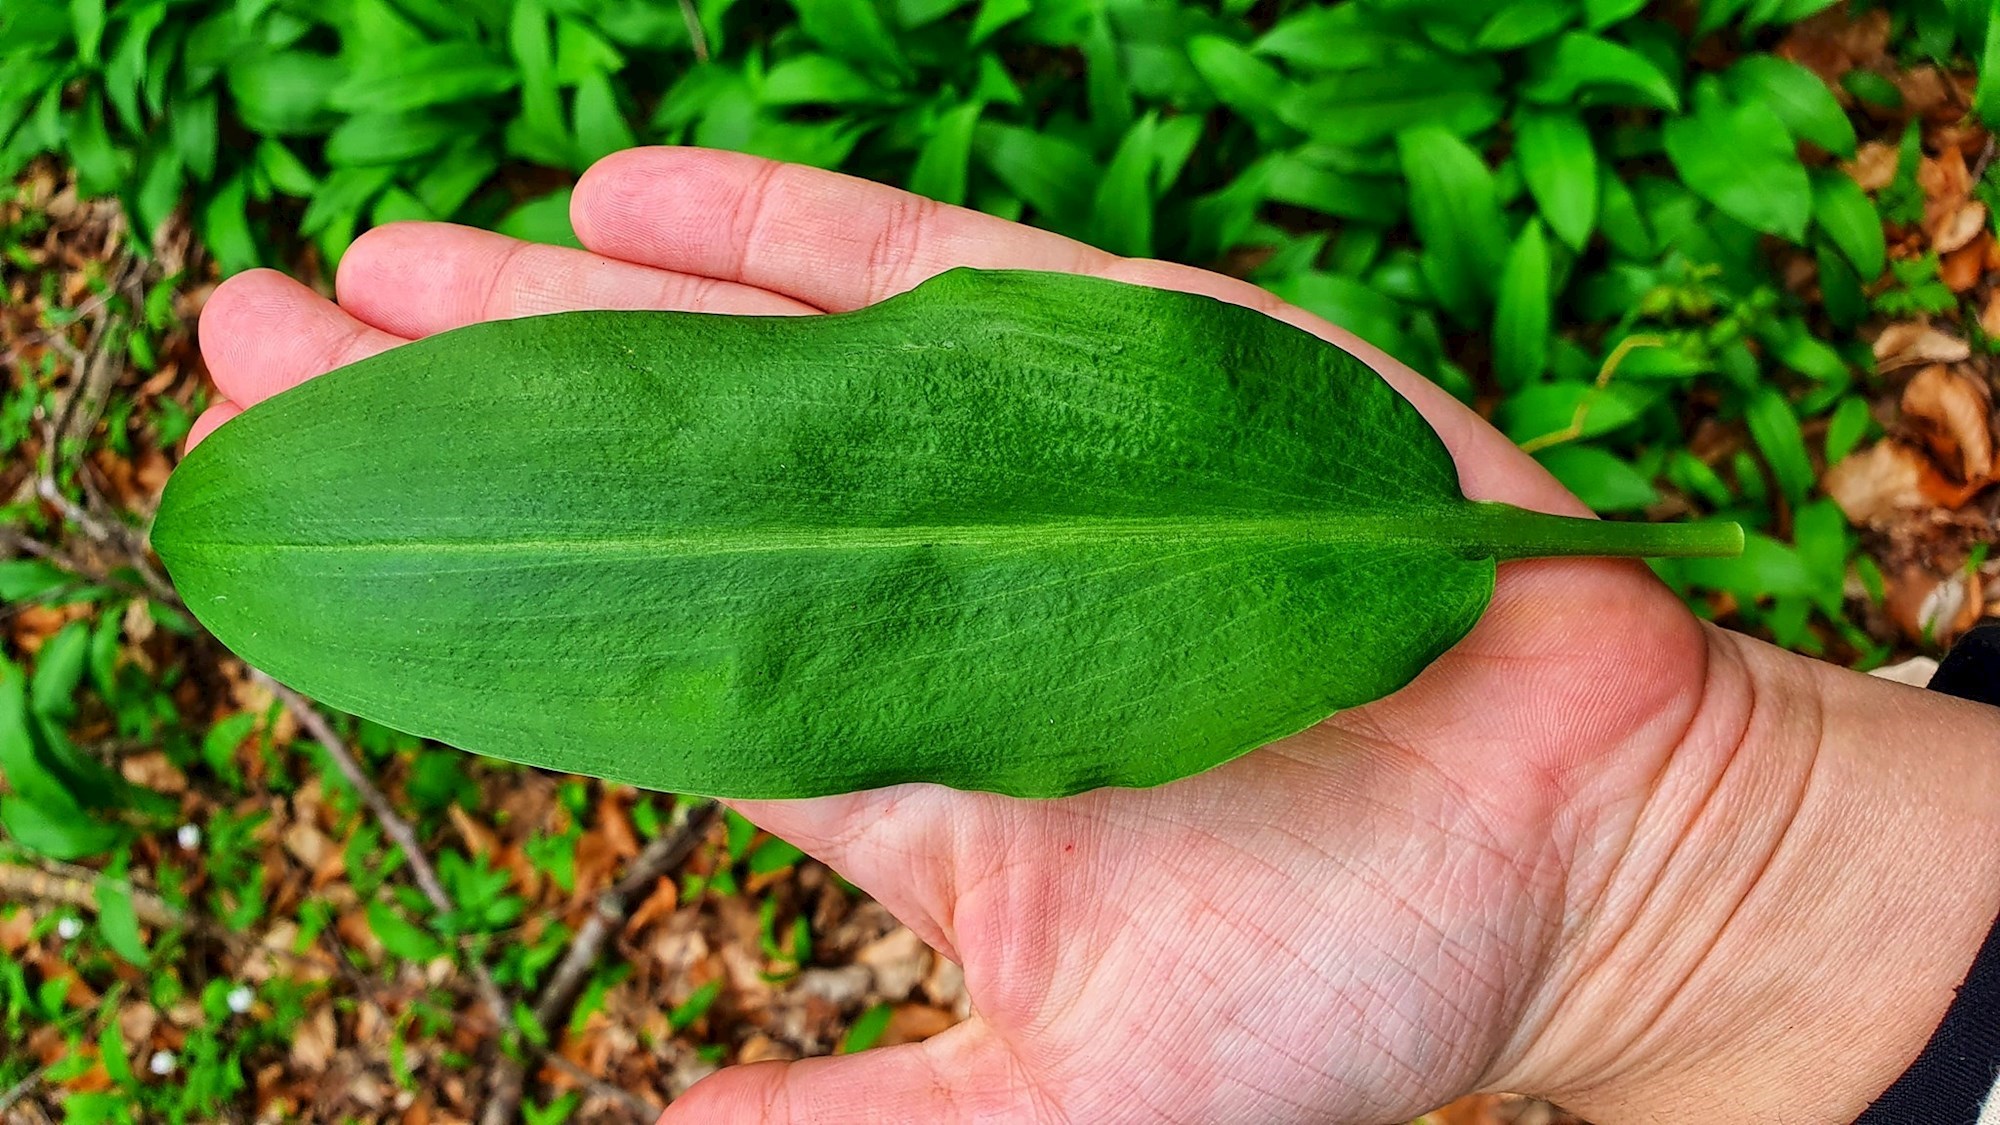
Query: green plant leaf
(1599, 478)
(55, 829)
(1364, 107)
(1850, 220)
(401, 937)
(1523, 22)
(1741, 158)
(1055, 176)
(118, 920)
(1986, 96)
(853, 29)
(1803, 102)
(1122, 214)
(1026, 532)
(1525, 311)
(1559, 161)
(1455, 208)
(59, 669)
(286, 94)
(942, 165)
(1775, 426)
(452, 71)
(1582, 63)
(1240, 80)
(542, 219)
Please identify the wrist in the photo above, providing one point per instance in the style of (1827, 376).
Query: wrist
(1786, 905)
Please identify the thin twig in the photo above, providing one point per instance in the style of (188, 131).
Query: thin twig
(641, 1109)
(393, 826)
(695, 31)
(21, 1089)
(31, 883)
(658, 859)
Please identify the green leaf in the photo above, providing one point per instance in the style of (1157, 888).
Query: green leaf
(1611, 72)
(1605, 482)
(23, 580)
(695, 1006)
(1364, 107)
(196, 129)
(773, 855)
(389, 138)
(1851, 423)
(866, 1030)
(451, 72)
(1455, 209)
(401, 937)
(1741, 158)
(1803, 102)
(1055, 176)
(1850, 220)
(87, 21)
(600, 127)
(1526, 310)
(543, 219)
(1600, 14)
(729, 555)
(942, 164)
(853, 29)
(1122, 216)
(286, 94)
(1240, 80)
(118, 920)
(54, 829)
(59, 669)
(1559, 161)
(1986, 96)
(815, 79)
(1776, 430)
(1525, 21)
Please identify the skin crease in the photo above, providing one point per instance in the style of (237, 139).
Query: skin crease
(1599, 851)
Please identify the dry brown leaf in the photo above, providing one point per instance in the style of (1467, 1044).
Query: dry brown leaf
(899, 960)
(1908, 343)
(1955, 229)
(1925, 91)
(1953, 415)
(914, 1023)
(15, 930)
(479, 839)
(1877, 485)
(1874, 165)
(762, 1048)
(1989, 317)
(1962, 268)
(664, 900)
(153, 770)
(1931, 609)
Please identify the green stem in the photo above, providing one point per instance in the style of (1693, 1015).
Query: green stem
(1505, 532)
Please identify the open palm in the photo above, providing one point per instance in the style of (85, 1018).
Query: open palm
(1356, 924)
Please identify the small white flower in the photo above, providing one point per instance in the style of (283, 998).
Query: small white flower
(240, 998)
(162, 1063)
(70, 927)
(189, 837)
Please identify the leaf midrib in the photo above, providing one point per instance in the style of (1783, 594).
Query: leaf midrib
(1414, 528)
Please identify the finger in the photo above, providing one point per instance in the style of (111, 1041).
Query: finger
(839, 243)
(205, 425)
(964, 1075)
(830, 240)
(414, 279)
(261, 333)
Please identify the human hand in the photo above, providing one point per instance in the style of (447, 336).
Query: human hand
(1509, 874)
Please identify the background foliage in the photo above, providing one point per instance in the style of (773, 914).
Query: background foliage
(1621, 229)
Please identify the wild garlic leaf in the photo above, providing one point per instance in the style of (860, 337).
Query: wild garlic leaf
(1022, 532)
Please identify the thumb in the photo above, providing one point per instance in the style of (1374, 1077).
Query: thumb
(963, 1076)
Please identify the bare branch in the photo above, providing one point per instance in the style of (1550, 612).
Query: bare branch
(659, 858)
(393, 826)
